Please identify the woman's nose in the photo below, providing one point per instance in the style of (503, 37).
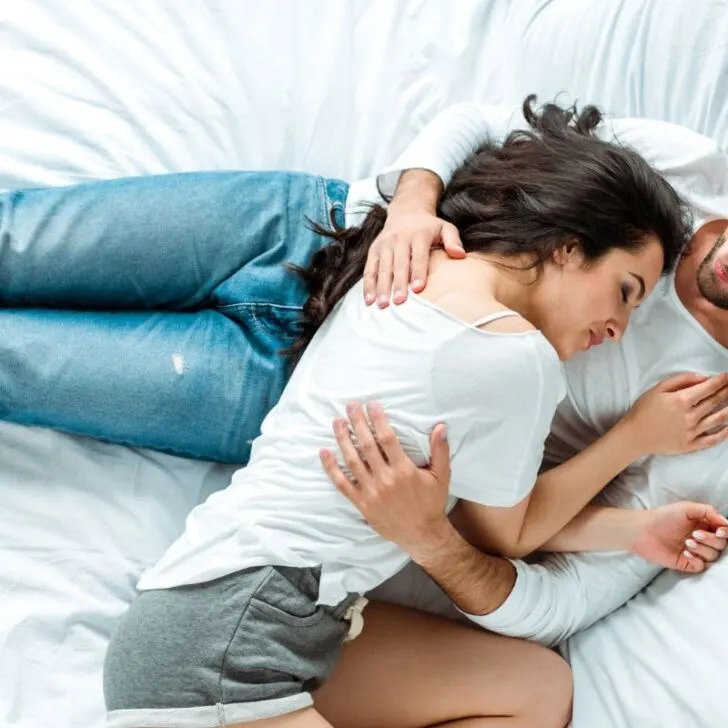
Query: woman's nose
(614, 331)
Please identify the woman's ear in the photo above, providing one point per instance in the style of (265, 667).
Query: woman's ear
(568, 254)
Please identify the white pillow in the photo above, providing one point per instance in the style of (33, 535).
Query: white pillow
(665, 60)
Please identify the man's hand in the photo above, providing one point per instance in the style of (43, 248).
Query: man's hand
(401, 502)
(400, 256)
(682, 536)
(407, 505)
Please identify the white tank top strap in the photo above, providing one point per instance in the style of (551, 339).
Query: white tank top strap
(491, 317)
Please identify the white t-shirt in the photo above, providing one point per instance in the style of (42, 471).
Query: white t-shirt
(565, 593)
(496, 392)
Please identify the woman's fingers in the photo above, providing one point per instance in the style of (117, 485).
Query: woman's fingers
(707, 554)
(703, 442)
(709, 405)
(679, 382)
(697, 393)
(712, 420)
(690, 563)
(706, 545)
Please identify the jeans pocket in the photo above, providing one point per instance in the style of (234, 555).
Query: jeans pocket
(267, 319)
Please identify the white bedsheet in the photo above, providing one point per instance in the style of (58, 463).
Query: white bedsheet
(99, 88)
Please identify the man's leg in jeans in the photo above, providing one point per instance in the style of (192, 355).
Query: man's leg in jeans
(186, 383)
(158, 242)
(196, 383)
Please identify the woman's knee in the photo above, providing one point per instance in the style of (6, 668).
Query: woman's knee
(547, 701)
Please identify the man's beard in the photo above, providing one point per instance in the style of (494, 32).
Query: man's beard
(710, 286)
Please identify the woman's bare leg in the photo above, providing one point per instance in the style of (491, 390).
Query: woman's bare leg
(307, 718)
(409, 669)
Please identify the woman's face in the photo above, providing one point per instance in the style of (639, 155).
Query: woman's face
(581, 306)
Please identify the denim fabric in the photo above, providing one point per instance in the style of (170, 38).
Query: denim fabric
(151, 311)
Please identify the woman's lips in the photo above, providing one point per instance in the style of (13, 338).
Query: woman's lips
(594, 339)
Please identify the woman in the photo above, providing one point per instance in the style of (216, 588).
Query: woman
(246, 613)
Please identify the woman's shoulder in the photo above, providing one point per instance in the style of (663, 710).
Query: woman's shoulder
(522, 356)
(515, 364)
(504, 321)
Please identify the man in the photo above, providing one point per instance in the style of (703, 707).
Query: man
(683, 327)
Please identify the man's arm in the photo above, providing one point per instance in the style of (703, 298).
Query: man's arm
(448, 140)
(438, 151)
(566, 593)
(399, 257)
(694, 164)
(406, 504)
(546, 601)
(477, 583)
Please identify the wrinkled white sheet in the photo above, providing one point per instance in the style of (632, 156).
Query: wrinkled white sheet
(98, 88)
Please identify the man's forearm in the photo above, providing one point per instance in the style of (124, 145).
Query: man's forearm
(418, 190)
(451, 137)
(476, 582)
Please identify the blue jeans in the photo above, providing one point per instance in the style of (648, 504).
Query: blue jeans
(152, 311)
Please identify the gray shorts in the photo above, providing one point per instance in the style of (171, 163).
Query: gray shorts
(250, 645)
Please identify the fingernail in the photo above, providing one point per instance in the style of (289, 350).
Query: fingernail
(700, 535)
(369, 297)
(691, 544)
(351, 407)
(417, 283)
(688, 555)
(398, 296)
(722, 533)
(444, 432)
(383, 300)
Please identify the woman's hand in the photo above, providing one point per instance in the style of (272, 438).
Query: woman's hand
(400, 256)
(682, 414)
(401, 502)
(682, 536)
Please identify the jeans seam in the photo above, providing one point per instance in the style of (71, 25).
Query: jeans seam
(258, 304)
(324, 201)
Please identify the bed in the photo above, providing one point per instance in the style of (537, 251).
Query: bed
(99, 89)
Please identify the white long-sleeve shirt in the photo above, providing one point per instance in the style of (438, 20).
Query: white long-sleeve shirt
(565, 593)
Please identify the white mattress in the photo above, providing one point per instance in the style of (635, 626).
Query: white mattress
(99, 88)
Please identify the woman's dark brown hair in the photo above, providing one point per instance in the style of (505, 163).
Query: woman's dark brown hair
(543, 187)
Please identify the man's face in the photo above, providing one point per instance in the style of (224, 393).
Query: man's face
(713, 273)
